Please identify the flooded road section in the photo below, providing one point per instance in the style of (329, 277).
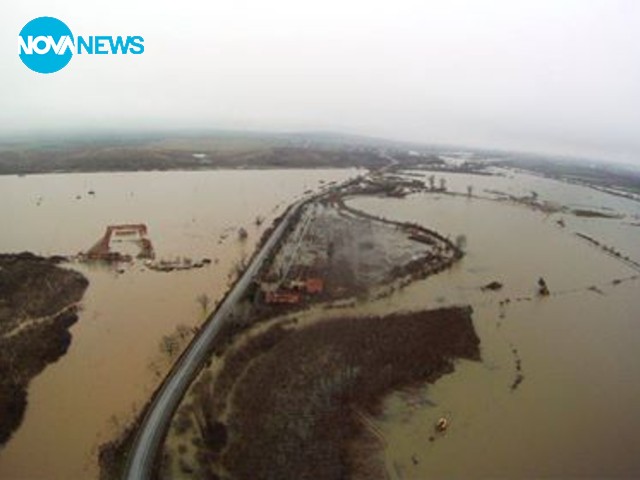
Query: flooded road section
(115, 360)
(574, 410)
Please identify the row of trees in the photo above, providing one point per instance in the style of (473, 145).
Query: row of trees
(443, 185)
(432, 183)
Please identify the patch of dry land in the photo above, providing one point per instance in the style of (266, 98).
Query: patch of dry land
(292, 401)
(38, 303)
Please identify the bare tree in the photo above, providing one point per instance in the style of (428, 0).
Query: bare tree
(204, 301)
(443, 184)
(432, 182)
(184, 332)
(469, 191)
(212, 431)
(172, 344)
(543, 289)
(169, 345)
(240, 265)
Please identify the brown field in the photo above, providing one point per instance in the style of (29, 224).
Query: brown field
(37, 307)
(289, 401)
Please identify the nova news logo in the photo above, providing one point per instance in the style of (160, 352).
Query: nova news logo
(47, 45)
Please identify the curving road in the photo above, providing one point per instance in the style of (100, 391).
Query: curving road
(156, 421)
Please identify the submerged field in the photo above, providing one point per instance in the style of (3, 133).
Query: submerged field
(521, 411)
(38, 304)
(573, 350)
(554, 394)
(133, 321)
(316, 382)
(307, 392)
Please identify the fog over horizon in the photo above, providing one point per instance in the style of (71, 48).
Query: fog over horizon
(544, 76)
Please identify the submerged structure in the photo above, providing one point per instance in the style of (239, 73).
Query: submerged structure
(117, 242)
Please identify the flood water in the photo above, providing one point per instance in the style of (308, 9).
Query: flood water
(574, 414)
(114, 362)
(576, 411)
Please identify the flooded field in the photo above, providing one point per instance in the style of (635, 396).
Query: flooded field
(575, 411)
(553, 365)
(115, 360)
(554, 395)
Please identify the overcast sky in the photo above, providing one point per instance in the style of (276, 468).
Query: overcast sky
(551, 76)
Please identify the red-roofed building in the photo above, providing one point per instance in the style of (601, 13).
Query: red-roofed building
(315, 285)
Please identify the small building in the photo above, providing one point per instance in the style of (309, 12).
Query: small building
(315, 285)
(282, 297)
(297, 285)
(119, 236)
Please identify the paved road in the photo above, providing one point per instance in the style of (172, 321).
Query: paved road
(156, 422)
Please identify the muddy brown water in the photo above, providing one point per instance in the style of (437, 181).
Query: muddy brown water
(114, 361)
(576, 412)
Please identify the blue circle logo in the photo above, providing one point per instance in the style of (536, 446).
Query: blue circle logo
(46, 45)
